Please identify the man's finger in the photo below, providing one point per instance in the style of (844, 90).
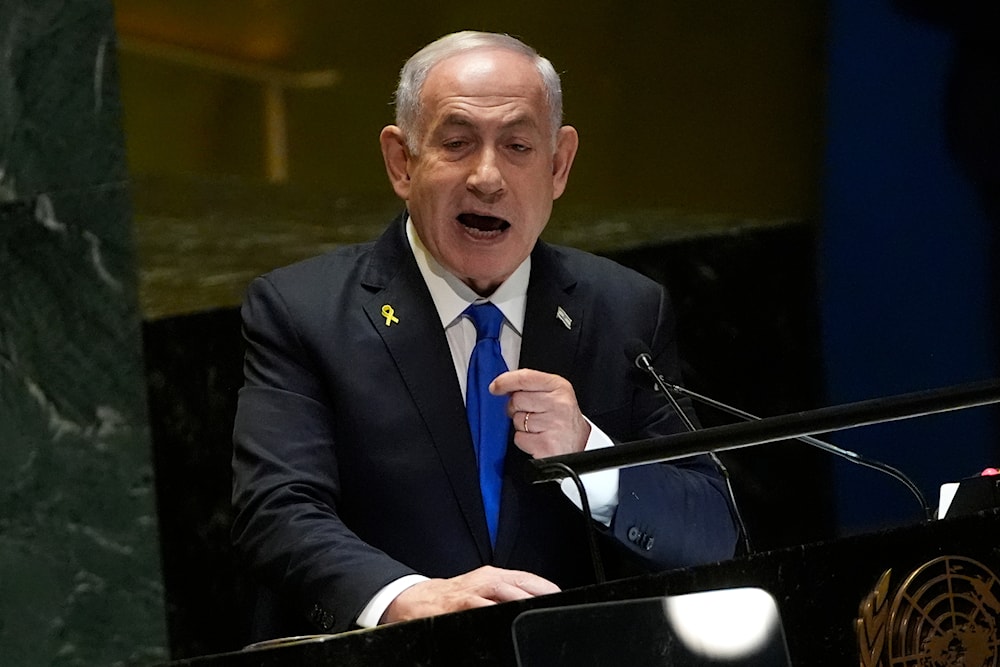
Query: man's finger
(519, 587)
(524, 379)
(534, 585)
(501, 591)
(529, 584)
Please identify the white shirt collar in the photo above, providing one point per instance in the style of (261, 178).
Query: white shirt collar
(451, 296)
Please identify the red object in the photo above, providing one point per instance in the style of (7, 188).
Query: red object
(990, 471)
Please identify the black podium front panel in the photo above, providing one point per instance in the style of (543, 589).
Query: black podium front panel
(737, 627)
(911, 595)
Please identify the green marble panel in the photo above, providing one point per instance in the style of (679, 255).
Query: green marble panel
(79, 559)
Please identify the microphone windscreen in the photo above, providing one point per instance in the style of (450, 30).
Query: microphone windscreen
(634, 349)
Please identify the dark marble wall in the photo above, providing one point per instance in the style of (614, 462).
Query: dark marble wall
(195, 369)
(79, 568)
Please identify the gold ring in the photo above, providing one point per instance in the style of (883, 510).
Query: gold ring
(526, 422)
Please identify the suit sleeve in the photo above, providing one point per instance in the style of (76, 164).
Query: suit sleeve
(677, 514)
(286, 486)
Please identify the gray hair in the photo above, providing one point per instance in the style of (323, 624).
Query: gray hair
(414, 74)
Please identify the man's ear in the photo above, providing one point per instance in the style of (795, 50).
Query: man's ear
(567, 141)
(396, 156)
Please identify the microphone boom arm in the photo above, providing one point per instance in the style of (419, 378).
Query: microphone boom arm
(830, 448)
(771, 429)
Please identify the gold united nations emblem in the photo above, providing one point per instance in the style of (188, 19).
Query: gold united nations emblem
(944, 614)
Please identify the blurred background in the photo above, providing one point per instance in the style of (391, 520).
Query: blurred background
(679, 108)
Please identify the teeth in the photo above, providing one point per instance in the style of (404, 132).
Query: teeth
(483, 223)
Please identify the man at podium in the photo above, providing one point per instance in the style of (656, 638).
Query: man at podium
(395, 389)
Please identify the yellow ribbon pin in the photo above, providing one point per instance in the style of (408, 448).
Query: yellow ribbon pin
(389, 314)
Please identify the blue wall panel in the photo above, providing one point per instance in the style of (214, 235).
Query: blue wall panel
(906, 258)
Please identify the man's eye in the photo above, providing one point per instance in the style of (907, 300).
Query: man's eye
(520, 148)
(455, 144)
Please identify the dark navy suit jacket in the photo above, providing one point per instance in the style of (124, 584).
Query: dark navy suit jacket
(353, 463)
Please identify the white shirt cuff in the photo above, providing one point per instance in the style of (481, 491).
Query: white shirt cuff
(372, 613)
(601, 486)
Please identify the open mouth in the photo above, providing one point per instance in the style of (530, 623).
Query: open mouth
(486, 225)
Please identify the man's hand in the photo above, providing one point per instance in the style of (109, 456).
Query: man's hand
(479, 588)
(543, 408)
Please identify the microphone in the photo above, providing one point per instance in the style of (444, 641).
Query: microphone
(638, 353)
(637, 350)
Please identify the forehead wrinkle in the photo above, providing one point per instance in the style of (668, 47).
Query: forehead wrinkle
(516, 120)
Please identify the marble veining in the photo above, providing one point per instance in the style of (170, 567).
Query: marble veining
(54, 138)
(80, 580)
(97, 260)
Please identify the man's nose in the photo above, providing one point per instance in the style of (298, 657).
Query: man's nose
(486, 177)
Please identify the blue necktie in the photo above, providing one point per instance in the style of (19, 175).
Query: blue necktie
(488, 419)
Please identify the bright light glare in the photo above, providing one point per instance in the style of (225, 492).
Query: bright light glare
(723, 624)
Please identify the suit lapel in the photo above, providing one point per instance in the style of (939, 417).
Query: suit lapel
(549, 343)
(420, 350)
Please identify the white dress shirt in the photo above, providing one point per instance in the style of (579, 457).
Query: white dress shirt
(451, 297)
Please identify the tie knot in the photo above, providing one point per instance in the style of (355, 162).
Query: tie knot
(487, 319)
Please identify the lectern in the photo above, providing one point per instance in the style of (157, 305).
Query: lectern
(925, 594)
(909, 596)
